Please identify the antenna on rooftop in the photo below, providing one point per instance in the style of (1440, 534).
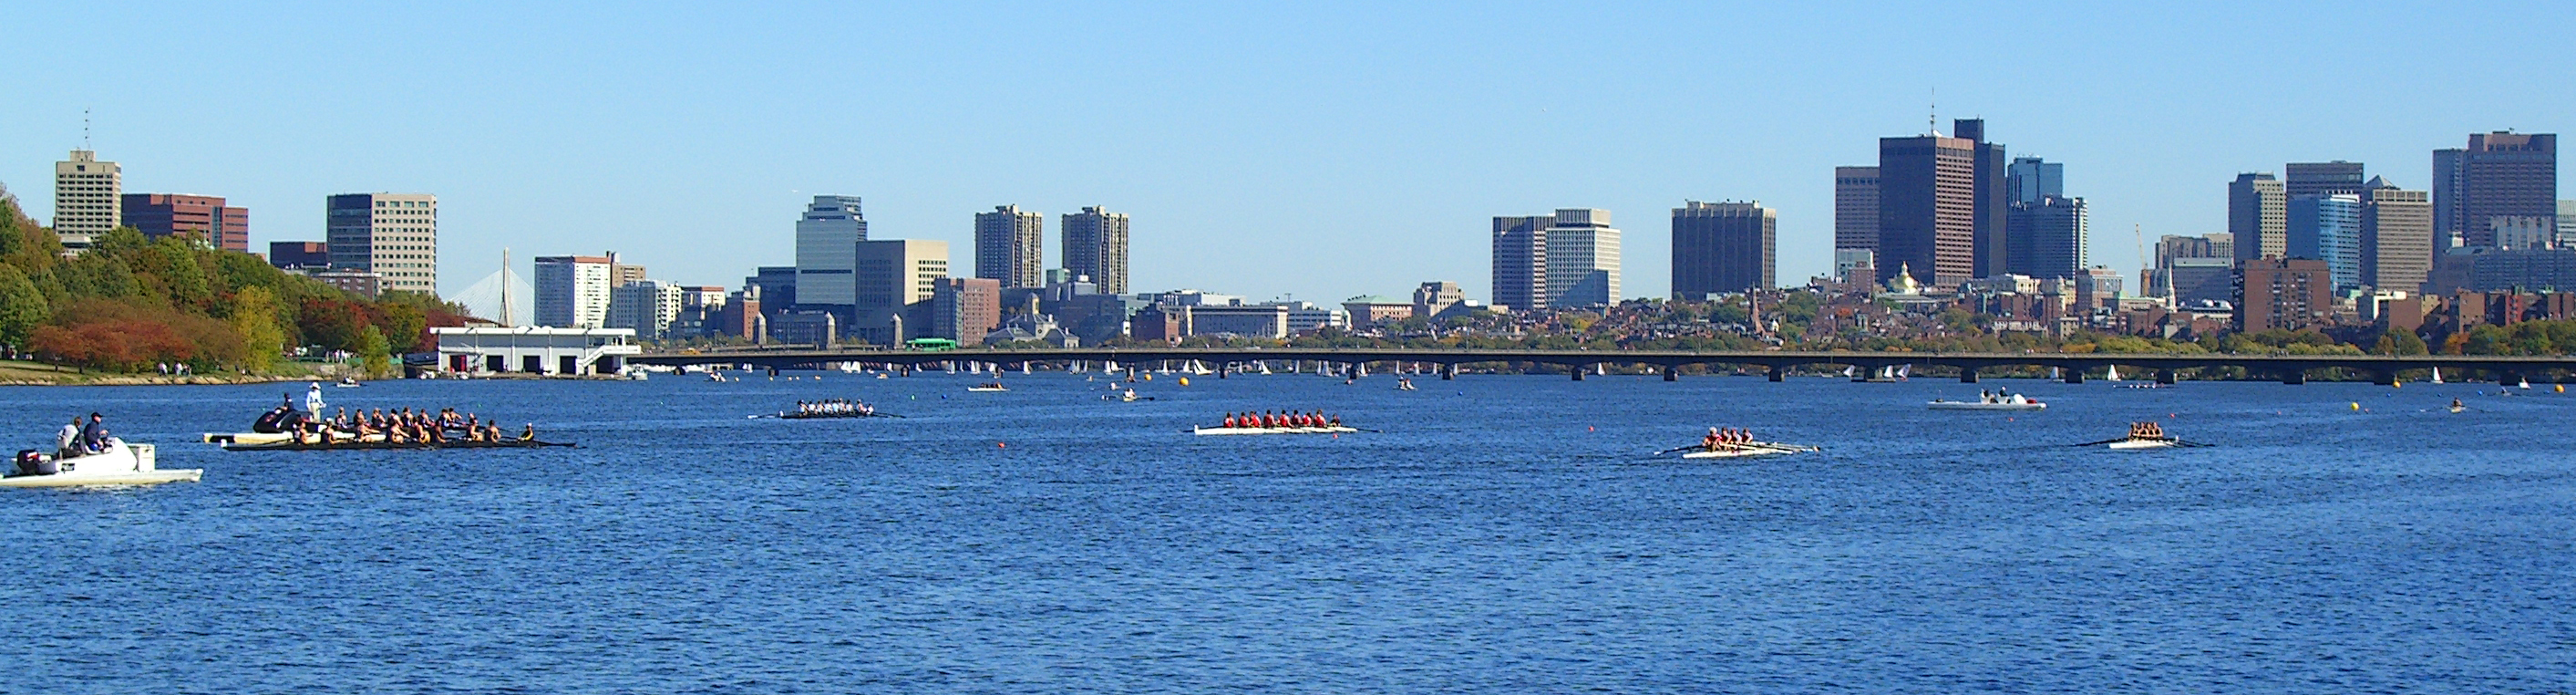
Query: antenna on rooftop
(1932, 117)
(84, 128)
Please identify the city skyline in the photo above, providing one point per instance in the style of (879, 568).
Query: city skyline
(1418, 192)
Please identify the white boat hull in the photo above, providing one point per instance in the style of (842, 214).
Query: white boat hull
(121, 464)
(1205, 431)
(1966, 405)
(1747, 451)
(2142, 443)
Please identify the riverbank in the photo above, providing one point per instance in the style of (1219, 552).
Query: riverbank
(19, 373)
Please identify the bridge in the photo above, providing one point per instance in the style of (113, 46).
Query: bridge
(2289, 369)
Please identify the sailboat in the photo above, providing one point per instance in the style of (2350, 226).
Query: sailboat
(1848, 371)
(1904, 369)
(1109, 367)
(2437, 375)
(1265, 367)
(2523, 384)
(2114, 375)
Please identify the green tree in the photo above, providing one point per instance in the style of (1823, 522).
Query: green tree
(374, 354)
(22, 307)
(255, 316)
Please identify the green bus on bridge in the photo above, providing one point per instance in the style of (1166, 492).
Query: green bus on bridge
(931, 344)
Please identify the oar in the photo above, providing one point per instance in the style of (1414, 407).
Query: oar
(2106, 441)
(1679, 449)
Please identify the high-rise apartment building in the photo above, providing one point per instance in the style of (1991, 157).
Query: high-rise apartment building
(648, 306)
(1855, 208)
(394, 235)
(2047, 237)
(1582, 259)
(1927, 209)
(85, 198)
(2029, 179)
(2566, 223)
(1095, 244)
(827, 243)
(2285, 294)
(1992, 196)
(2196, 268)
(573, 291)
(2258, 213)
(1010, 247)
(2310, 179)
(2500, 174)
(1721, 248)
(200, 217)
(895, 279)
(2396, 236)
(1520, 261)
(965, 309)
(2328, 228)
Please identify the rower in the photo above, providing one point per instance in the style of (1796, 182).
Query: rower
(529, 434)
(1229, 420)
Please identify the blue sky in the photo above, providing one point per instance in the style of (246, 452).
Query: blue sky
(1319, 150)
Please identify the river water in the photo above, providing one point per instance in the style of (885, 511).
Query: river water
(1503, 534)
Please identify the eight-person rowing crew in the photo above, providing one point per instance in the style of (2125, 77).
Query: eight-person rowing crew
(836, 406)
(1725, 438)
(404, 426)
(1282, 419)
(2146, 430)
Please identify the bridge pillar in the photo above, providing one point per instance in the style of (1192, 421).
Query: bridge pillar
(2509, 379)
(1449, 372)
(2074, 375)
(1224, 369)
(1578, 371)
(2384, 377)
(1672, 373)
(2165, 376)
(1967, 375)
(773, 371)
(2294, 377)
(1779, 373)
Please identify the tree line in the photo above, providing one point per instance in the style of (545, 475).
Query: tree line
(131, 303)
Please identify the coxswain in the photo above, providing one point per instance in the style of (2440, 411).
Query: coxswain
(1337, 421)
(313, 400)
(529, 434)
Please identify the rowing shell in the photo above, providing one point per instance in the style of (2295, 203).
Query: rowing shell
(1203, 431)
(1730, 451)
(2144, 443)
(1972, 405)
(380, 446)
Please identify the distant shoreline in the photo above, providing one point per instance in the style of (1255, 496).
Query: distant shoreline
(19, 373)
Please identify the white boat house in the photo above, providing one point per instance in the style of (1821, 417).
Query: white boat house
(534, 349)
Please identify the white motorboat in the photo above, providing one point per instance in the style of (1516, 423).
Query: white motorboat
(120, 464)
(1747, 450)
(1336, 429)
(1989, 402)
(348, 382)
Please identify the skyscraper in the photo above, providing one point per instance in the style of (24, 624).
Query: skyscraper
(648, 306)
(1927, 209)
(2396, 236)
(200, 217)
(2328, 228)
(2505, 174)
(827, 243)
(1855, 208)
(895, 279)
(1095, 244)
(2028, 179)
(2284, 294)
(1582, 259)
(2308, 179)
(573, 291)
(2450, 182)
(965, 309)
(1991, 197)
(1723, 247)
(85, 198)
(1010, 247)
(394, 235)
(2258, 214)
(2046, 238)
(1520, 261)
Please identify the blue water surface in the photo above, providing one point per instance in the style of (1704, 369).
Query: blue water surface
(1501, 534)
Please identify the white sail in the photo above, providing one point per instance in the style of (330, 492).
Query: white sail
(1903, 370)
(1849, 370)
(1265, 367)
(2437, 375)
(2114, 375)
